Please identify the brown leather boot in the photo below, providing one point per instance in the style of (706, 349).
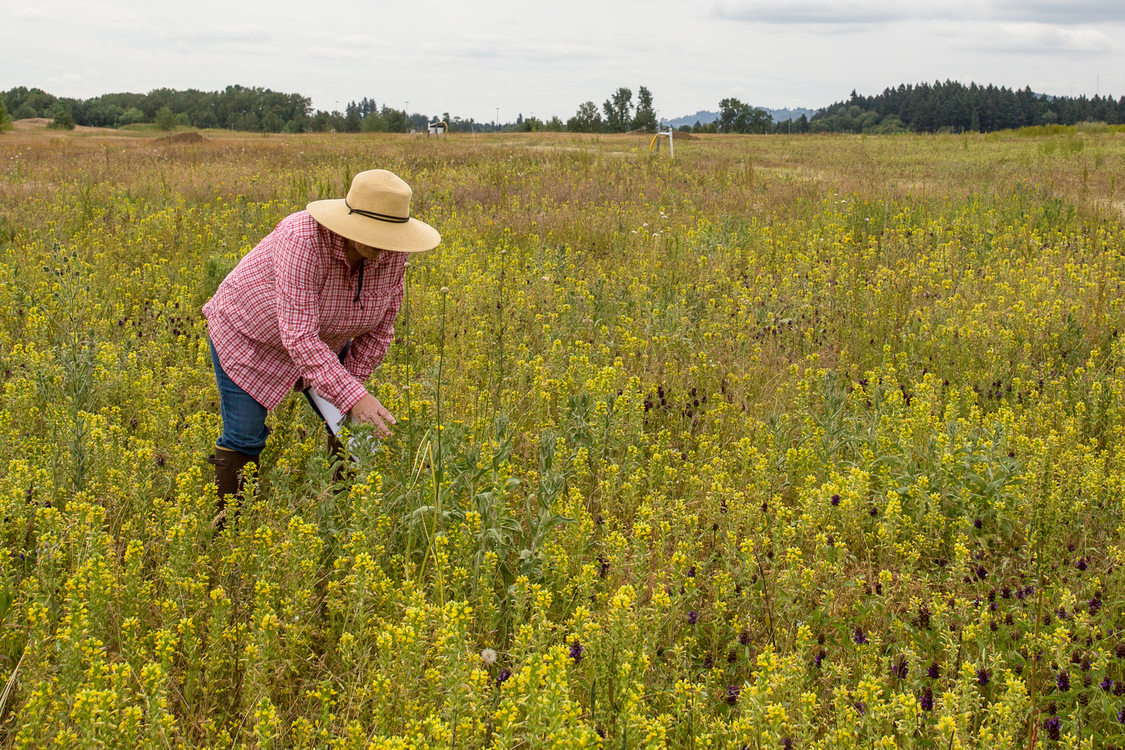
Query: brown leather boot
(228, 480)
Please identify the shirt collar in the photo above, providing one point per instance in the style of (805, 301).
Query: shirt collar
(336, 246)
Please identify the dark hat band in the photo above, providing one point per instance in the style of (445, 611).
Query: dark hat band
(376, 215)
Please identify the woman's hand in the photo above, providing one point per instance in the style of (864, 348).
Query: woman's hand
(368, 410)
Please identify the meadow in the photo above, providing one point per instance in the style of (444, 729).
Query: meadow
(792, 442)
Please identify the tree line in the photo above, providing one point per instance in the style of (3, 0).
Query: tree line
(235, 107)
(924, 107)
(953, 106)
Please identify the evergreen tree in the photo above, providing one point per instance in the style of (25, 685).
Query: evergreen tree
(353, 123)
(5, 118)
(953, 106)
(645, 118)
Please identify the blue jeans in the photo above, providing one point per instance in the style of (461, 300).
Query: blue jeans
(244, 419)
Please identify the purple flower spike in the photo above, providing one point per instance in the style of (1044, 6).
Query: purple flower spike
(926, 700)
(1053, 725)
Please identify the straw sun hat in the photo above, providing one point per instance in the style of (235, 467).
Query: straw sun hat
(376, 213)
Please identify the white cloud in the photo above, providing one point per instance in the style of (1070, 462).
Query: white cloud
(335, 53)
(826, 13)
(344, 47)
(813, 11)
(362, 41)
(31, 14)
(1037, 39)
(219, 34)
(68, 84)
(499, 48)
(1073, 12)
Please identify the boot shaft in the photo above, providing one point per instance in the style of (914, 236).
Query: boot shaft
(229, 467)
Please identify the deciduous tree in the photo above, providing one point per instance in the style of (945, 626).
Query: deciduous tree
(586, 120)
(63, 120)
(738, 117)
(165, 119)
(619, 110)
(130, 116)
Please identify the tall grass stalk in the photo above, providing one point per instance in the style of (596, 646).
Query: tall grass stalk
(500, 323)
(409, 388)
(440, 474)
(437, 469)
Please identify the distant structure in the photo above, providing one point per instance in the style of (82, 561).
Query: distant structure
(665, 133)
(438, 127)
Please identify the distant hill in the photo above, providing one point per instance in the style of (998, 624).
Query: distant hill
(783, 115)
(704, 116)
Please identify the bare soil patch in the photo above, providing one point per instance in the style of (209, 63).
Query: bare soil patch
(30, 124)
(180, 139)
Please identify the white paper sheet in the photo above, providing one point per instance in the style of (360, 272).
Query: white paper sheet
(335, 419)
(328, 411)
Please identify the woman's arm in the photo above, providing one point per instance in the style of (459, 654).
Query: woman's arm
(366, 352)
(300, 267)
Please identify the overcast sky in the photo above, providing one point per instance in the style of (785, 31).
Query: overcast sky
(470, 58)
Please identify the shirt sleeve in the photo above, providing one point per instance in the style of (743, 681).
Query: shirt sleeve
(367, 351)
(300, 268)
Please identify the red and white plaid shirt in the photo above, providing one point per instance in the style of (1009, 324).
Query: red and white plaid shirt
(291, 304)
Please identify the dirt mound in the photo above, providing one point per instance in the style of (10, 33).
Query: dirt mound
(180, 139)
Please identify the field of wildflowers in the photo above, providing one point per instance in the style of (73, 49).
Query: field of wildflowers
(804, 442)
